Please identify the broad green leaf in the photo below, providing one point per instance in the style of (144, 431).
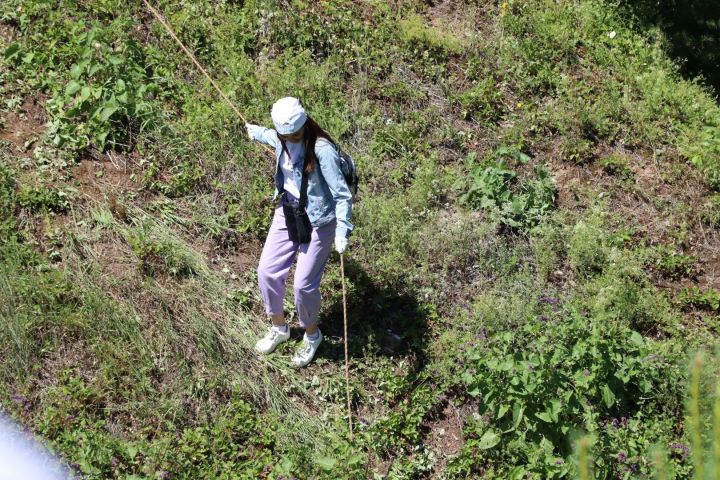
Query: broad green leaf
(75, 71)
(555, 410)
(327, 463)
(544, 416)
(608, 396)
(84, 94)
(637, 339)
(517, 473)
(12, 51)
(502, 411)
(107, 112)
(94, 68)
(488, 440)
(518, 410)
(72, 88)
(131, 451)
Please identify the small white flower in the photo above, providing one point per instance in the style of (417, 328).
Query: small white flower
(612, 34)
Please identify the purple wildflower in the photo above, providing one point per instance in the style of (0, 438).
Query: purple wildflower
(549, 300)
(622, 456)
(683, 449)
(559, 461)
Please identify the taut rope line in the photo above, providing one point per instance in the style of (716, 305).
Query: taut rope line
(197, 64)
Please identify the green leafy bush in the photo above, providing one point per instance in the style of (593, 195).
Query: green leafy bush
(161, 255)
(107, 99)
(617, 165)
(588, 248)
(710, 212)
(703, 150)
(43, 199)
(538, 387)
(424, 38)
(482, 102)
(672, 264)
(708, 299)
(492, 185)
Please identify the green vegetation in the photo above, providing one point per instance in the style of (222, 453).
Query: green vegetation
(531, 273)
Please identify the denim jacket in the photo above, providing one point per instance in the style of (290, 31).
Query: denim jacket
(328, 194)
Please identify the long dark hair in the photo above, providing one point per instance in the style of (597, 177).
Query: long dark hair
(312, 133)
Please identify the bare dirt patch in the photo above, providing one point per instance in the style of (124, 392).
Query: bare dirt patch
(28, 123)
(108, 175)
(445, 435)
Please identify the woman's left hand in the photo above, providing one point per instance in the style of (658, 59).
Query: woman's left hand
(253, 130)
(341, 244)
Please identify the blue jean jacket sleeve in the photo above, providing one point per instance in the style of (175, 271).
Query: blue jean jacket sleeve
(264, 135)
(329, 161)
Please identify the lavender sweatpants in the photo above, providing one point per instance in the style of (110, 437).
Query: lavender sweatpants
(277, 258)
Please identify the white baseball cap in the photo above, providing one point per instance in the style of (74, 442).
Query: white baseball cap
(288, 115)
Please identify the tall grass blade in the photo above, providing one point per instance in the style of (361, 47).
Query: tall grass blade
(695, 438)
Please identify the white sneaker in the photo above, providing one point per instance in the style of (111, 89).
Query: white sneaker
(307, 351)
(272, 339)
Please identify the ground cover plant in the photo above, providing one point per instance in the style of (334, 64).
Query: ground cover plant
(533, 270)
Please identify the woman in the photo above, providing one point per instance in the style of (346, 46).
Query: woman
(313, 192)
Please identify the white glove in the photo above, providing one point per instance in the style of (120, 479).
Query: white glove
(341, 244)
(253, 130)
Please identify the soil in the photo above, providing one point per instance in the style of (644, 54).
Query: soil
(27, 123)
(660, 200)
(445, 435)
(103, 179)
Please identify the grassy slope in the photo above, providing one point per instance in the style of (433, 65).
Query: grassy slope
(128, 285)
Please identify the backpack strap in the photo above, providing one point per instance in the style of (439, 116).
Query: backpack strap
(304, 181)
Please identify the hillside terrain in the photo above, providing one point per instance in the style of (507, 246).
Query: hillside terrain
(534, 268)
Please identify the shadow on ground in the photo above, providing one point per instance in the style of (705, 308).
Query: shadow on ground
(692, 28)
(383, 320)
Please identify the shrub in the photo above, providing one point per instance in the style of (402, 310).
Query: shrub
(703, 150)
(415, 32)
(106, 99)
(159, 254)
(482, 102)
(587, 246)
(540, 385)
(623, 294)
(492, 185)
(710, 212)
(708, 299)
(617, 165)
(43, 199)
(672, 264)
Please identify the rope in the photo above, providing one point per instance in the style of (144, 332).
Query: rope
(347, 362)
(197, 64)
